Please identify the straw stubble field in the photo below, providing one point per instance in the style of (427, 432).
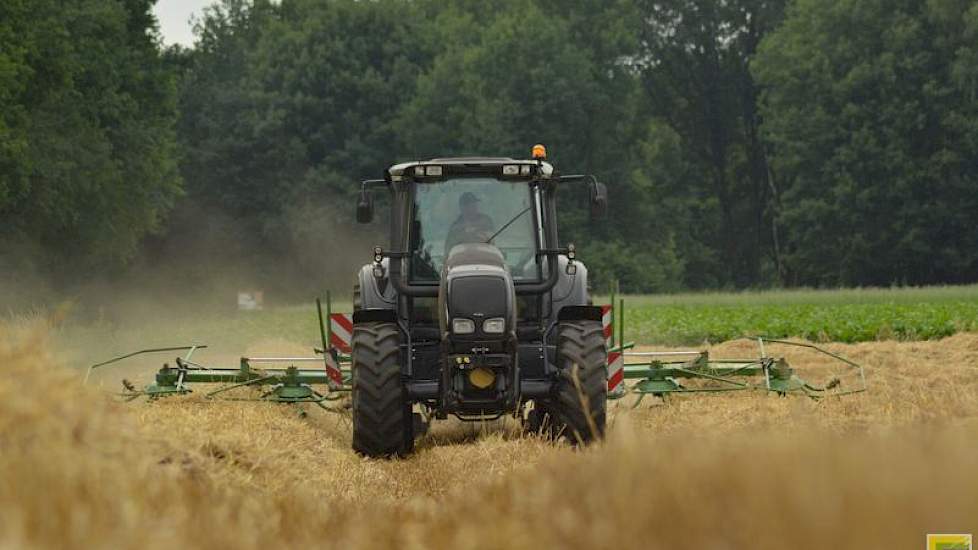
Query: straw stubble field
(877, 470)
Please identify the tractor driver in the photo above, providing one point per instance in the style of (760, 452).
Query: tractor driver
(471, 226)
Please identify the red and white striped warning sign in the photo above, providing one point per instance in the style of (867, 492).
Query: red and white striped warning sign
(607, 323)
(616, 361)
(341, 331)
(333, 372)
(616, 372)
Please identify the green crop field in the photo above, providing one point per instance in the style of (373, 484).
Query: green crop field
(851, 315)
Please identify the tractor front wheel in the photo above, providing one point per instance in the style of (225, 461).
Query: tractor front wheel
(577, 409)
(382, 420)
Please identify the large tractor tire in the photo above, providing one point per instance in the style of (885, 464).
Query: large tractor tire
(382, 421)
(577, 409)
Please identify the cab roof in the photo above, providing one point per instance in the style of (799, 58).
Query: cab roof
(472, 163)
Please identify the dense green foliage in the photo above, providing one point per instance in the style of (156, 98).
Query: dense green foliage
(870, 111)
(746, 143)
(88, 160)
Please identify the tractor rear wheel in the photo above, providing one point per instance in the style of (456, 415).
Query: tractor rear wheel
(382, 421)
(577, 409)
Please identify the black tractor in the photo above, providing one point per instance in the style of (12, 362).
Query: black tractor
(475, 310)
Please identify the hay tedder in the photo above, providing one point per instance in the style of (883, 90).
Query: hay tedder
(326, 377)
(478, 312)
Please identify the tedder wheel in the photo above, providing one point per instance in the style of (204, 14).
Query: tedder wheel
(382, 420)
(576, 409)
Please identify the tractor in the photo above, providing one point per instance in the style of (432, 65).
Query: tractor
(475, 310)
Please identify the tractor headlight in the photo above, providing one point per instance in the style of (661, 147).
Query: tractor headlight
(495, 325)
(463, 326)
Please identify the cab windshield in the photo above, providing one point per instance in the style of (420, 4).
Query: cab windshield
(472, 210)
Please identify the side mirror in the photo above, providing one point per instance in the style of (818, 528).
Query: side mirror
(599, 200)
(365, 206)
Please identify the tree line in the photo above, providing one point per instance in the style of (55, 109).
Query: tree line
(745, 143)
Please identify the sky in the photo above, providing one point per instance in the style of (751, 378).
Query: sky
(174, 17)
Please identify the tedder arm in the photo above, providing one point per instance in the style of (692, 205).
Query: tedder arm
(662, 373)
(289, 384)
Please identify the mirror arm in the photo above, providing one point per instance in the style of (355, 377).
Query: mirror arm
(596, 190)
(579, 178)
(372, 183)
